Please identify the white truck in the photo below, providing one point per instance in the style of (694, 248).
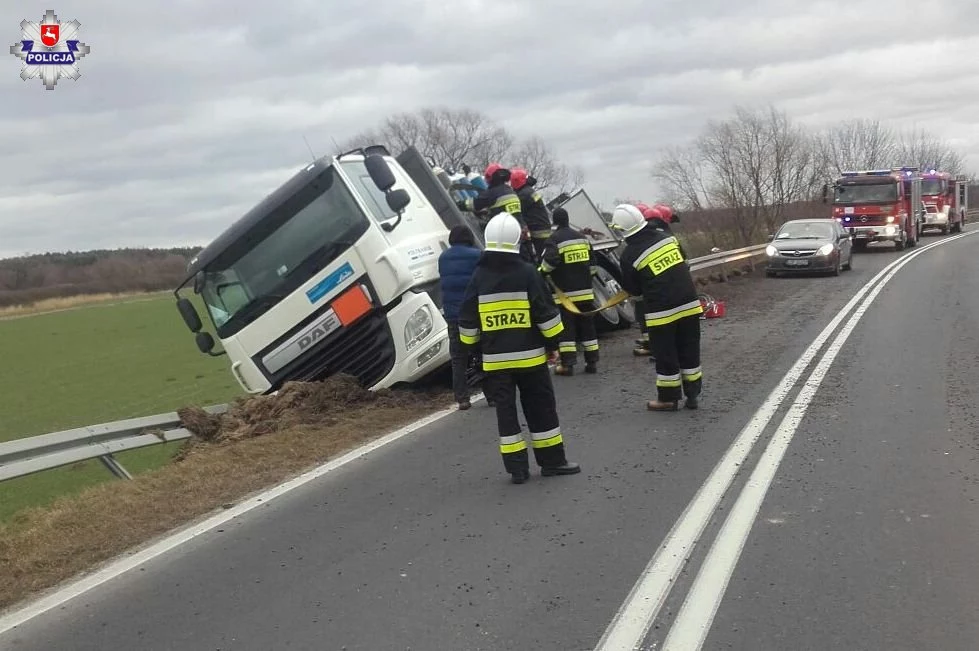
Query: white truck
(335, 271)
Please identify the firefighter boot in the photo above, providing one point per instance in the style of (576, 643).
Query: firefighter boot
(520, 476)
(561, 369)
(567, 468)
(591, 368)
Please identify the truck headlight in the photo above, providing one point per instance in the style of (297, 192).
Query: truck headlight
(771, 251)
(890, 230)
(825, 249)
(890, 220)
(418, 327)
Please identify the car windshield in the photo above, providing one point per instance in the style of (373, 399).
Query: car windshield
(866, 193)
(805, 231)
(931, 186)
(283, 251)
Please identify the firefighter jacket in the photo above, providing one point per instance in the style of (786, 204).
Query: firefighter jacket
(569, 262)
(508, 311)
(496, 199)
(534, 212)
(655, 267)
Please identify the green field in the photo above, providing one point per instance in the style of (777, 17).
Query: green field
(97, 364)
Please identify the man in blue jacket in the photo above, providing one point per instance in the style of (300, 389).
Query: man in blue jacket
(456, 266)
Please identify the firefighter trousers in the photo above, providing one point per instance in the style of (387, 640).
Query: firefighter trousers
(539, 409)
(676, 347)
(578, 329)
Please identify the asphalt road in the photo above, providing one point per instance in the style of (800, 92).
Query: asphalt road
(866, 538)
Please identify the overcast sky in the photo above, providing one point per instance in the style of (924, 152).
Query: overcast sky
(190, 111)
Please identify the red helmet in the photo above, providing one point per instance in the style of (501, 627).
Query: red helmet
(518, 178)
(666, 211)
(641, 206)
(491, 169)
(652, 213)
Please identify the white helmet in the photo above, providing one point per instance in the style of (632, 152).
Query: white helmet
(627, 219)
(503, 234)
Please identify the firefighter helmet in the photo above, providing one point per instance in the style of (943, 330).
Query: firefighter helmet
(652, 213)
(494, 169)
(518, 178)
(666, 212)
(503, 234)
(627, 219)
(641, 206)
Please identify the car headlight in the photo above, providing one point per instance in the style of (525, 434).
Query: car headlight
(771, 251)
(825, 249)
(418, 327)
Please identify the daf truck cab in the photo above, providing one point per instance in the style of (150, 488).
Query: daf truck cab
(336, 271)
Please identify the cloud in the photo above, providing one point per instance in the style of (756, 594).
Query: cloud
(188, 113)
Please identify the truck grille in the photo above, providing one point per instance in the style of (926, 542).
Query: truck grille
(364, 349)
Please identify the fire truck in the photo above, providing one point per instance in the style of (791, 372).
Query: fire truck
(945, 201)
(879, 206)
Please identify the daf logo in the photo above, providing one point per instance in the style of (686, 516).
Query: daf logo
(313, 336)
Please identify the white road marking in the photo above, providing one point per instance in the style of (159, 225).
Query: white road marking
(631, 623)
(134, 560)
(692, 623)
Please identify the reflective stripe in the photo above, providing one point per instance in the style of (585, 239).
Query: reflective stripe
(641, 258)
(509, 203)
(668, 381)
(591, 344)
(501, 245)
(674, 314)
(577, 242)
(511, 444)
(581, 295)
(503, 296)
(691, 374)
(537, 197)
(547, 439)
(663, 260)
(540, 235)
(546, 267)
(518, 359)
(568, 347)
(468, 335)
(549, 325)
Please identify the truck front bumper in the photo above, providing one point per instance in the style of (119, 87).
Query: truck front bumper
(888, 233)
(421, 339)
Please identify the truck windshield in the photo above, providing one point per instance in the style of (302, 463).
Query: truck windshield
(280, 253)
(866, 193)
(931, 186)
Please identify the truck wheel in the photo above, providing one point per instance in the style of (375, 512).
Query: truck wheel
(607, 319)
(625, 311)
(945, 230)
(899, 245)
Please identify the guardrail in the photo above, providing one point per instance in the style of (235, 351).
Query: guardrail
(34, 454)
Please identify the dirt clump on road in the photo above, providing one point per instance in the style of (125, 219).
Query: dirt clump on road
(323, 403)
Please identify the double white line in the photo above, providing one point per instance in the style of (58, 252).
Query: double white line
(631, 624)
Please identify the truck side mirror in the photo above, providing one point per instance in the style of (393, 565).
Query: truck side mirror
(380, 173)
(771, 236)
(189, 314)
(205, 344)
(397, 200)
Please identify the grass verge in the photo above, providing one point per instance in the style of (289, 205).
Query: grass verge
(260, 442)
(62, 303)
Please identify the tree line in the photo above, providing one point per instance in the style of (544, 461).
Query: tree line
(33, 278)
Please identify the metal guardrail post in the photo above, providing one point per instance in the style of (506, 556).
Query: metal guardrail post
(115, 467)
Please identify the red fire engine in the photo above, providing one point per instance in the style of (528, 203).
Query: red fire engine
(879, 206)
(945, 201)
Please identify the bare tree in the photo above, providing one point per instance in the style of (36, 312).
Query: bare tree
(453, 137)
(858, 144)
(683, 178)
(926, 151)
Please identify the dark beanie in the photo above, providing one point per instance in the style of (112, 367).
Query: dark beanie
(560, 217)
(461, 235)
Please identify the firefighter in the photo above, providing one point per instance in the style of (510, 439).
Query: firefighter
(569, 263)
(532, 208)
(499, 197)
(655, 267)
(508, 311)
(660, 217)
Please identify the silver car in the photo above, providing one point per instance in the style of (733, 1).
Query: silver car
(809, 246)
